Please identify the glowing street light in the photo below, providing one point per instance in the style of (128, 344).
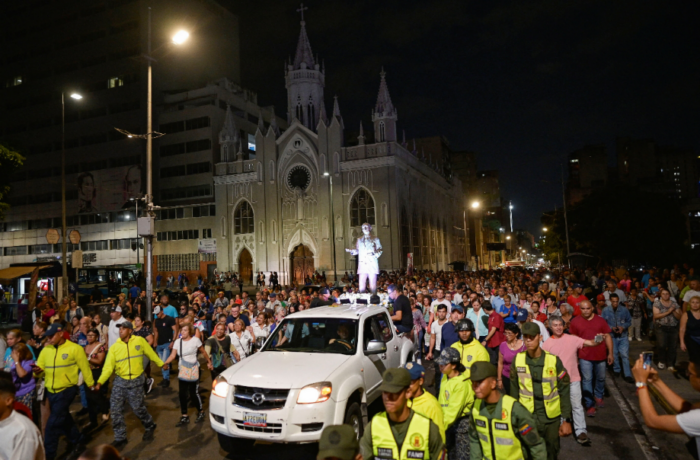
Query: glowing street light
(544, 229)
(76, 96)
(181, 37)
(508, 237)
(476, 205)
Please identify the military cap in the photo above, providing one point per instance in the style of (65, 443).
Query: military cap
(481, 370)
(395, 380)
(530, 329)
(338, 441)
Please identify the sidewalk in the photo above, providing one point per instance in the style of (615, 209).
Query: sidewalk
(658, 444)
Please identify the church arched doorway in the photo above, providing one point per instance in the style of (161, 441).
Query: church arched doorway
(301, 261)
(245, 266)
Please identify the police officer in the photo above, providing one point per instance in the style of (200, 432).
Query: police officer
(400, 433)
(501, 428)
(541, 384)
(470, 350)
(456, 399)
(338, 442)
(126, 357)
(420, 400)
(61, 361)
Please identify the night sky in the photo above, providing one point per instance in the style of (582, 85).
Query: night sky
(522, 83)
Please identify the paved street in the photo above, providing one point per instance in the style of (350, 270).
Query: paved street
(615, 432)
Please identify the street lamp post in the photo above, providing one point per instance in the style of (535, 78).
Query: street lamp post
(335, 267)
(64, 267)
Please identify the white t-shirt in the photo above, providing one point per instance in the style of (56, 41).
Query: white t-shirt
(21, 439)
(436, 330)
(689, 294)
(241, 344)
(114, 330)
(457, 298)
(690, 423)
(433, 306)
(260, 331)
(189, 349)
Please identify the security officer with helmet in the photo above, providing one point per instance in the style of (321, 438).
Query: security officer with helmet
(540, 383)
(501, 428)
(470, 350)
(400, 433)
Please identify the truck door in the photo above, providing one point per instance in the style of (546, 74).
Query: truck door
(373, 365)
(393, 342)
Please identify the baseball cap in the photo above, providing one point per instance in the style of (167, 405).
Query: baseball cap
(395, 380)
(416, 370)
(324, 291)
(272, 294)
(458, 308)
(126, 324)
(115, 309)
(600, 297)
(338, 441)
(578, 285)
(448, 356)
(481, 370)
(530, 329)
(522, 315)
(53, 329)
(156, 310)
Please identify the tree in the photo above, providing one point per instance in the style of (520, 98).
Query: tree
(10, 162)
(619, 222)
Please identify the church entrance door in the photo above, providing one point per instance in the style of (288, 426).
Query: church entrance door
(302, 264)
(245, 266)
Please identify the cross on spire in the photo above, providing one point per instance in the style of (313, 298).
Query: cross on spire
(301, 10)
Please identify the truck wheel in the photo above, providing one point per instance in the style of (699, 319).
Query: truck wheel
(231, 445)
(353, 417)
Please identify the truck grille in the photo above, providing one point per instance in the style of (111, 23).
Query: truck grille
(259, 398)
(270, 428)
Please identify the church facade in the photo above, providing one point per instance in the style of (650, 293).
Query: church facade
(296, 206)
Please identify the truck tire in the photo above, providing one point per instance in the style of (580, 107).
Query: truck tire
(353, 417)
(232, 445)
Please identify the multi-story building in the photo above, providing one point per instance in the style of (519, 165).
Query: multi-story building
(96, 49)
(588, 171)
(464, 167)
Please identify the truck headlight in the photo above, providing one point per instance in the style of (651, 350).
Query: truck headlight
(219, 387)
(315, 393)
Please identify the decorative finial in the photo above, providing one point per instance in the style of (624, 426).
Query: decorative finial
(301, 10)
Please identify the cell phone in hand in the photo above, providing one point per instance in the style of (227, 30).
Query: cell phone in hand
(648, 359)
(599, 338)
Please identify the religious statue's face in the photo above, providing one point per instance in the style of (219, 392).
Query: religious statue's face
(366, 228)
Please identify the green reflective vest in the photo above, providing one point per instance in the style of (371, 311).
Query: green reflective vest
(550, 394)
(415, 445)
(496, 435)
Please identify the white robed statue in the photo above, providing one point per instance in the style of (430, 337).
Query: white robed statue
(367, 249)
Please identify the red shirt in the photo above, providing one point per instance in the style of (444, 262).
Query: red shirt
(541, 317)
(495, 320)
(574, 301)
(587, 330)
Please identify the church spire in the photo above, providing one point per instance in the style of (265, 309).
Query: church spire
(261, 122)
(228, 137)
(336, 112)
(273, 124)
(303, 54)
(361, 137)
(384, 114)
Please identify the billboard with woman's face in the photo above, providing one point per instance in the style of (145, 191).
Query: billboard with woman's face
(108, 190)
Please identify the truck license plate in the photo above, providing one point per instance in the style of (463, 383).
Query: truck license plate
(252, 419)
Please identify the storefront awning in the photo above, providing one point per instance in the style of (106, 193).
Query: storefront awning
(8, 274)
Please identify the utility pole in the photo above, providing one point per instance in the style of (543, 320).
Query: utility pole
(566, 221)
(149, 178)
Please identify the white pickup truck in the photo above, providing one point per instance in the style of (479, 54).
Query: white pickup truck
(319, 367)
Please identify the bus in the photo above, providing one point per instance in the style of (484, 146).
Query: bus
(107, 279)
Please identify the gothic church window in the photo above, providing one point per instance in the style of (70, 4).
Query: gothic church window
(361, 208)
(382, 132)
(243, 219)
(312, 113)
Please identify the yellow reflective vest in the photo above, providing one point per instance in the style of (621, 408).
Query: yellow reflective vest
(415, 445)
(496, 435)
(62, 365)
(127, 359)
(471, 353)
(550, 393)
(428, 405)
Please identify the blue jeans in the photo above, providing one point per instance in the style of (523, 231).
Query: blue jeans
(163, 352)
(589, 371)
(60, 421)
(621, 351)
(83, 396)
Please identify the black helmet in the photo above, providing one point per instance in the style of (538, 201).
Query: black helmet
(465, 325)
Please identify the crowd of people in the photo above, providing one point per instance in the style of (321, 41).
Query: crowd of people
(549, 337)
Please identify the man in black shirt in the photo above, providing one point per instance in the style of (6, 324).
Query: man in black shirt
(166, 332)
(403, 317)
(323, 299)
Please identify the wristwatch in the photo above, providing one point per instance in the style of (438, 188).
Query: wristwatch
(641, 384)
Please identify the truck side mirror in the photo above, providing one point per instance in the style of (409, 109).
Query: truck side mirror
(375, 347)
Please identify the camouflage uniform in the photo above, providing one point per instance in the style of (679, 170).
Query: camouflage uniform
(459, 448)
(130, 391)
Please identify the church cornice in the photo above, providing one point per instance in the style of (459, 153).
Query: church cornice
(367, 163)
(235, 178)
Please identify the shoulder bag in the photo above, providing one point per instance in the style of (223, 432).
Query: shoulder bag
(188, 372)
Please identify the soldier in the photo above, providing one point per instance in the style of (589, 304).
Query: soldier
(541, 384)
(470, 350)
(400, 433)
(420, 400)
(338, 442)
(61, 360)
(501, 428)
(456, 399)
(126, 357)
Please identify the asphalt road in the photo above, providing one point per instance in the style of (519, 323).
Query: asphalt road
(615, 432)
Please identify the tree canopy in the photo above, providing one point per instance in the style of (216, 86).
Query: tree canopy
(10, 162)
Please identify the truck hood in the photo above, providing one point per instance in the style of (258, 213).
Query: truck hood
(283, 369)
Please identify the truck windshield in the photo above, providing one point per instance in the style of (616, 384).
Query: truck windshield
(314, 335)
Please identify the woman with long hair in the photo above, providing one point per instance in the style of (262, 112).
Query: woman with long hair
(97, 400)
(22, 374)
